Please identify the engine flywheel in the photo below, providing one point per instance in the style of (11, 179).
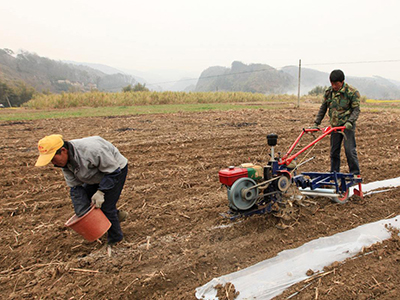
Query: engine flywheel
(241, 195)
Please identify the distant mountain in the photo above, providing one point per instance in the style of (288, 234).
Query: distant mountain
(185, 84)
(56, 76)
(254, 78)
(371, 87)
(309, 78)
(49, 75)
(158, 80)
(103, 68)
(376, 87)
(167, 80)
(261, 78)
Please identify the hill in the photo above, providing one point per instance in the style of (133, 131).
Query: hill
(255, 78)
(262, 78)
(372, 87)
(49, 75)
(56, 76)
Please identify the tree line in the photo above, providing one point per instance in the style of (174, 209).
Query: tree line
(16, 94)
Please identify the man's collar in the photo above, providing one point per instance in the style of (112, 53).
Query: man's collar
(342, 89)
(71, 156)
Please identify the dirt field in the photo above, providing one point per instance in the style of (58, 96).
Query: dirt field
(173, 242)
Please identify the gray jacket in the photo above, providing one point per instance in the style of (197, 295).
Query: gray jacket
(90, 159)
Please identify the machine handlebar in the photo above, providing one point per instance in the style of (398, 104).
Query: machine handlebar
(326, 131)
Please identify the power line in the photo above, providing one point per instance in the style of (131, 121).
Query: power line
(354, 62)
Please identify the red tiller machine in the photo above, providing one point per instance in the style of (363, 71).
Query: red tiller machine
(259, 189)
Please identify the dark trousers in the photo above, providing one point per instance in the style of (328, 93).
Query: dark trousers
(350, 149)
(109, 206)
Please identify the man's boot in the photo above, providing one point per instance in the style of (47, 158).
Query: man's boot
(122, 215)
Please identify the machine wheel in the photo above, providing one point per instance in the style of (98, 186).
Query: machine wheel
(283, 183)
(343, 198)
(240, 196)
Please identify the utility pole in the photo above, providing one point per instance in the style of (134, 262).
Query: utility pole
(9, 104)
(298, 91)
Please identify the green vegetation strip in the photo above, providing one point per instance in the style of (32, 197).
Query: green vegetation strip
(18, 114)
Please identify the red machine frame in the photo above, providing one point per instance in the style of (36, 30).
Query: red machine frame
(328, 130)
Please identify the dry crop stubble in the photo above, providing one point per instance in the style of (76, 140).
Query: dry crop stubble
(175, 239)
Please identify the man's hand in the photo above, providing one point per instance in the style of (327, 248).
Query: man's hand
(348, 125)
(98, 199)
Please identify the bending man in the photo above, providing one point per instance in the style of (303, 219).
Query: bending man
(95, 171)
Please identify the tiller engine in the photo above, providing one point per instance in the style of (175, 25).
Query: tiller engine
(255, 189)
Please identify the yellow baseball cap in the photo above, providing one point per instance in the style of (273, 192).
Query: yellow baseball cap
(48, 147)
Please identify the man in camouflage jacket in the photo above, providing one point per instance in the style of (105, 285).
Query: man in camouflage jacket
(343, 102)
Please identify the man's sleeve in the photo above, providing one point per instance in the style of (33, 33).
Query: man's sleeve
(321, 112)
(355, 108)
(80, 200)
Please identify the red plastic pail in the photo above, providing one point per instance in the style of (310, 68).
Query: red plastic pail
(91, 225)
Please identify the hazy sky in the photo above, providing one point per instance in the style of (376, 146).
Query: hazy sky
(194, 35)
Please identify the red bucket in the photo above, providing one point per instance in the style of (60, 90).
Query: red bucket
(91, 225)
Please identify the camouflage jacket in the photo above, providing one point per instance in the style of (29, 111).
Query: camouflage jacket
(344, 106)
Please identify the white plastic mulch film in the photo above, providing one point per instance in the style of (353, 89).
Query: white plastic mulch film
(271, 277)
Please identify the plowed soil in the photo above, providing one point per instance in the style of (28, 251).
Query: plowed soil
(174, 240)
